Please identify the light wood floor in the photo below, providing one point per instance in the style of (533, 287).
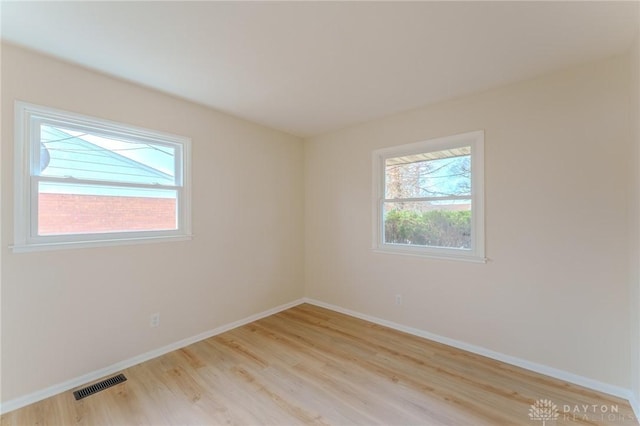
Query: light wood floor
(308, 365)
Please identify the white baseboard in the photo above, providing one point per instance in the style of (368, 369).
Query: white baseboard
(508, 359)
(22, 401)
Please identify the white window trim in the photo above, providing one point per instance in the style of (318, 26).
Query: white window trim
(477, 251)
(25, 212)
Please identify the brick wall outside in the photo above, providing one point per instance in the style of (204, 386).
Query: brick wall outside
(68, 213)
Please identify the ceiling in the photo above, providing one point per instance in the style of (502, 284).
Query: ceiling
(309, 68)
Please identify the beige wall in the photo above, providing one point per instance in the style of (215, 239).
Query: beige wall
(70, 312)
(555, 290)
(634, 217)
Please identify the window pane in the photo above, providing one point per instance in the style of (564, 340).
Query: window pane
(442, 223)
(70, 153)
(433, 174)
(87, 209)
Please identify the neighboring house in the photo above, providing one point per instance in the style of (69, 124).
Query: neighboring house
(68, 207)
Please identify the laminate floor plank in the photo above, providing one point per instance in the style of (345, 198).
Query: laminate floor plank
(309, 365)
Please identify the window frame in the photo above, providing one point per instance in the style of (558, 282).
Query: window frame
(473, 139)
(28, 118)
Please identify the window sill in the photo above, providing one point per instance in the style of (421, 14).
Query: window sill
(430, 255)
(26, 248)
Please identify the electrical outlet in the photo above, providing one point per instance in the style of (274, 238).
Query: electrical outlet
(398, 299)
(154, 320)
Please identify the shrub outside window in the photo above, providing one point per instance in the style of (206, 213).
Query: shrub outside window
(82, 181)
(429, 198)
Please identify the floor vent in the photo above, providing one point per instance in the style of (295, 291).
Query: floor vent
(97, 387)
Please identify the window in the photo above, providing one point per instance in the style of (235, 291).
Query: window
(83, 181)
(429, 198)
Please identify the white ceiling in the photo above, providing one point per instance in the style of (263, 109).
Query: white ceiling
(308, 68)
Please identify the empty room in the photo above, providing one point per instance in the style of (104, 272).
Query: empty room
(333, 213)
